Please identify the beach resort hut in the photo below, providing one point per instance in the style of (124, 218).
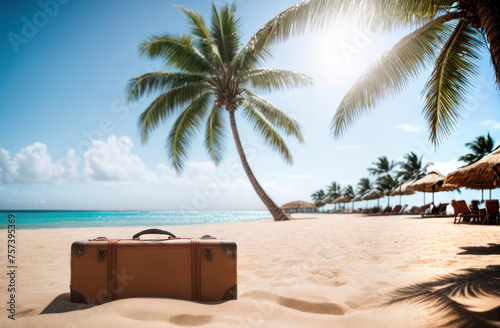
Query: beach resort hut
(432, 182)
(403, 190)
(298, 206)
(484, 174)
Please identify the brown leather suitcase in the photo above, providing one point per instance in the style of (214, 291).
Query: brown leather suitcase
(198, 269)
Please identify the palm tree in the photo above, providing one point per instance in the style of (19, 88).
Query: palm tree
(213, 77)
(319, 198)
(333, 192)
(412, 169)
(447, 35)
(386, 184)
(348, 192)
(364, 185)
(382, 166)
(480, 147)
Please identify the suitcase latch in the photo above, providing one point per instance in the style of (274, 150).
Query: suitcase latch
(101, 253)
(208, 255)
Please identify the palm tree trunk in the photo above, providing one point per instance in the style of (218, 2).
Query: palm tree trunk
(276, 212)
(488, 12)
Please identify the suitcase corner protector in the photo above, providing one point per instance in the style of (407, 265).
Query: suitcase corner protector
(76, 297)
(78, 248)
(229, 248)
(231, 293)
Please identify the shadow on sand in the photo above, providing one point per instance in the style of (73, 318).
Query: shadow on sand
(62, 303)
(469, 283)
(491, 249)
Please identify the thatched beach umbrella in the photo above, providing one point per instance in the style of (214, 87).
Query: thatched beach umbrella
(297, 205)
(484, 174)
(373, 194)
(432, 182)
(355, 199)
(341, 200)
(403, 190)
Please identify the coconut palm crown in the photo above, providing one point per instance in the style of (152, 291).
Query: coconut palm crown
(383, 166)
(212, 77)
(412, 169)
(447, 36)
(480, 147)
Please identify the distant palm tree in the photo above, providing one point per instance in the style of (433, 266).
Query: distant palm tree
(319, 198)
(481, 146)
(412, 169)
(348, 192)
(364, 185)
(386, 184)
(448, 35)
(333, 192)
(213, 77)
(382, 167)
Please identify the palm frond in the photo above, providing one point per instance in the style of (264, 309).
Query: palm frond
(436, 295)
(451, 80)
(380, 15)
(274, 115)
(177, 52)
(215, 136)
(159, 82)
(392, 72)
(266, 130)
(204, 41)
(225, 31)
(164, 106)
(269, 79)
(184, 130)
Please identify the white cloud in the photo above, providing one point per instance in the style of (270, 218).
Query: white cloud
(492, 123)
(445, 167)
(31, 164)
(112, 160)
(408, 127)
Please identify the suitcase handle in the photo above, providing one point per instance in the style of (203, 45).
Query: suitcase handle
(153, 232)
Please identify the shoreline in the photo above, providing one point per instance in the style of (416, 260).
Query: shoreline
(332, 270)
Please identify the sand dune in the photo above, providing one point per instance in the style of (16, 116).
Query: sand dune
(336, 270)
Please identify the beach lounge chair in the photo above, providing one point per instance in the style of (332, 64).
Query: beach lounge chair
(437, 211)
(462, 211)
(493, 211)
(424, 208)
(387, 210)
(413, 210)
(396, 209)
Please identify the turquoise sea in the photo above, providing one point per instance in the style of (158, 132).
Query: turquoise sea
(68, 219)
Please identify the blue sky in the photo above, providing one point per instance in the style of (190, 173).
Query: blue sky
(68, 140)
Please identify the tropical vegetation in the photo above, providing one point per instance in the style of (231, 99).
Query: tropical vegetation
(448, 36)
(388, 174)
(480, 147)
(412, 168)
(213, 77)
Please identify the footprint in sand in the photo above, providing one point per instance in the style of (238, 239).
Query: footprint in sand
(326, 277)
(191, 320)
(298, 304)
(24, 312)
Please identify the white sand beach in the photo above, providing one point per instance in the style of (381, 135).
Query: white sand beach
(333, 270)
